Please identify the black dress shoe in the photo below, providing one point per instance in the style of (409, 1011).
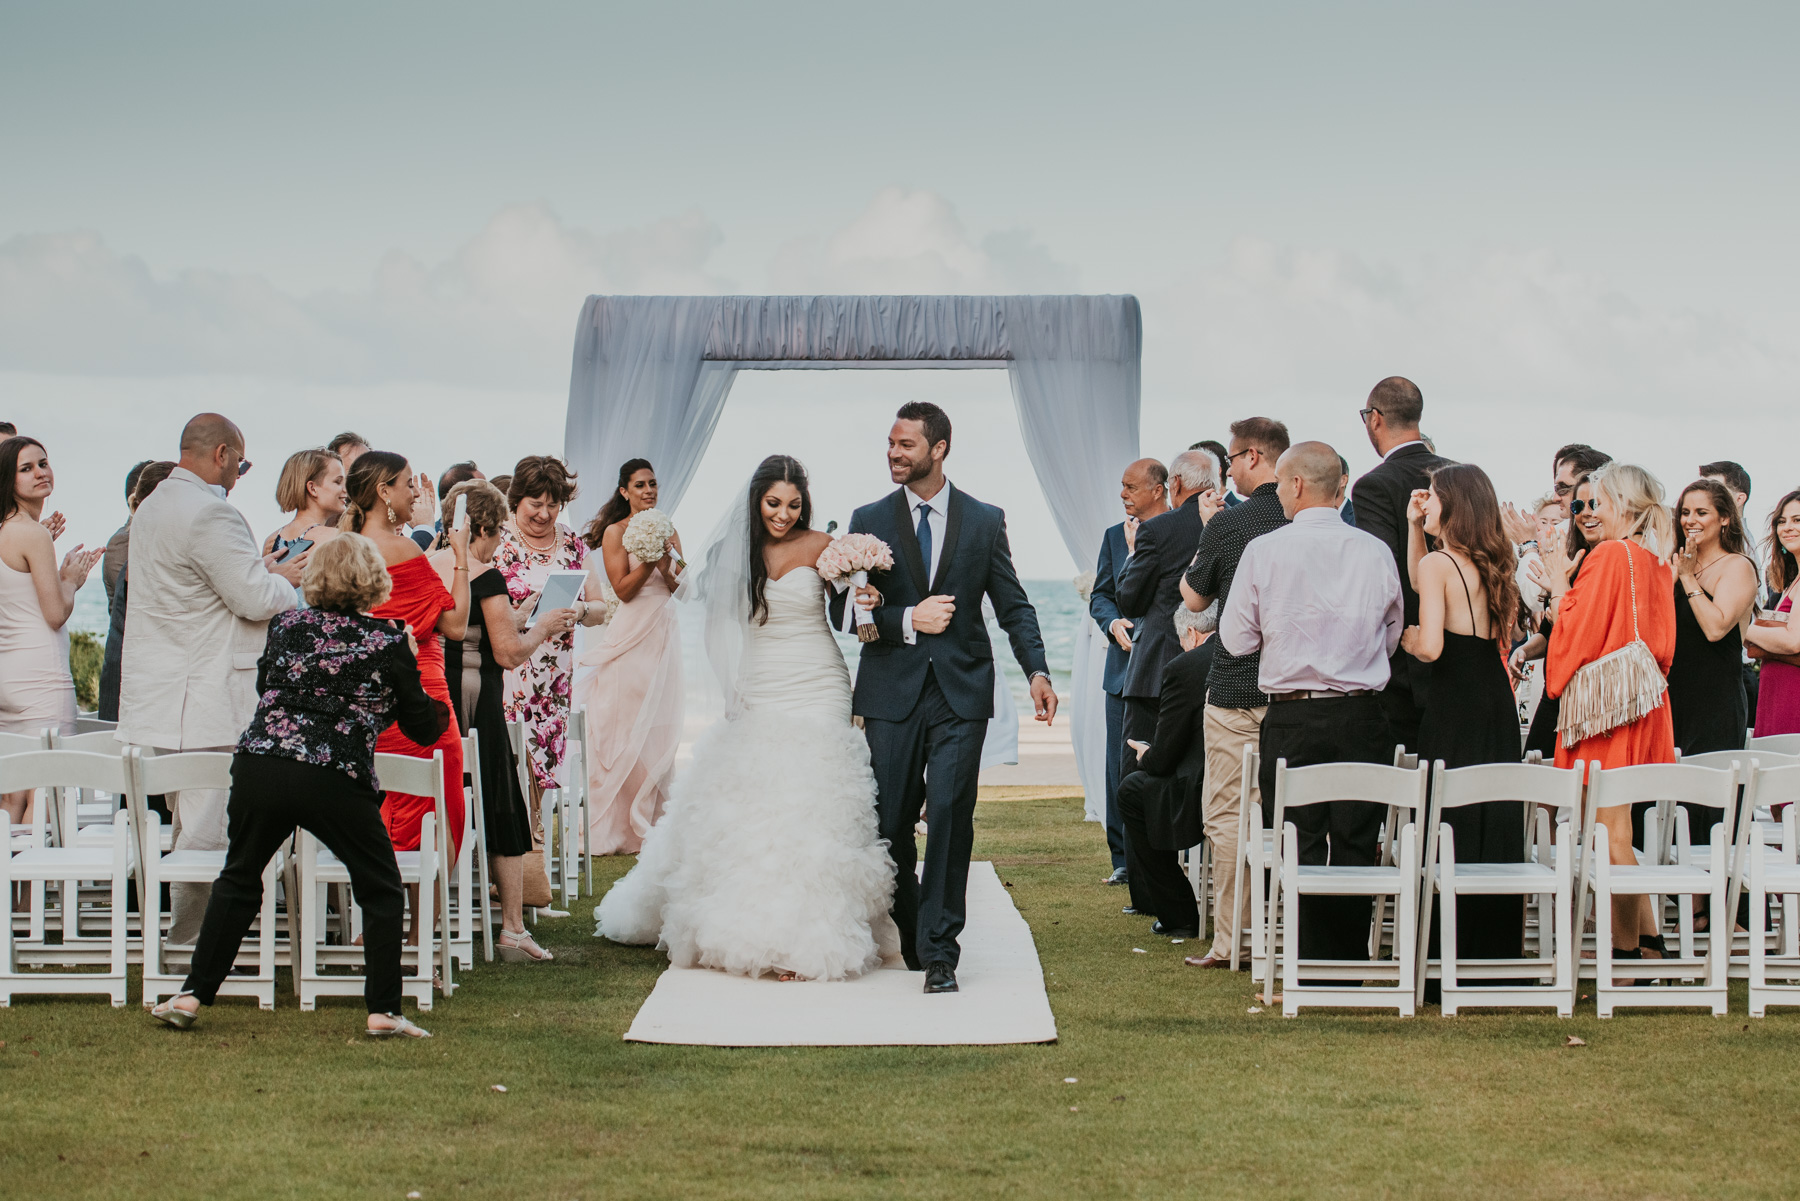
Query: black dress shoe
(1118, 877)
(940, 977)
(1130, 911)
(1172, 932)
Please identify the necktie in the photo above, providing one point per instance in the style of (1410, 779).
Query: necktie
(925, 539)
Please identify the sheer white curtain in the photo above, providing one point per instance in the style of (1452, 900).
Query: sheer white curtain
(1076, 385)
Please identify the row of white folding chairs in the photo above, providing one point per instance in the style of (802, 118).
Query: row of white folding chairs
(562, 812)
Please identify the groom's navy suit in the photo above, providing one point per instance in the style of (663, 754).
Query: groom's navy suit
(927, 704)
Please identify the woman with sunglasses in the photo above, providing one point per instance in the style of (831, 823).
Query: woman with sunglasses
(1559, 563)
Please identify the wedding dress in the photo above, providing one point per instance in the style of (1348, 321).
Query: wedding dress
(766, 857)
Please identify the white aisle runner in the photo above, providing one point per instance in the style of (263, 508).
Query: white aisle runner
(1002, 998)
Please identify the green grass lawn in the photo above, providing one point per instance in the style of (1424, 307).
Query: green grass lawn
(1180, 1093)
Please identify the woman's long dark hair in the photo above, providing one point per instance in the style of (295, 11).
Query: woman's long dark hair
(1731, 522)
(618, 508)
(362, 486)
(776, 469)
(1781, 560)
(1469, 520)
(10, 450)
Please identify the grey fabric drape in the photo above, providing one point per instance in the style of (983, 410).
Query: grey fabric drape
(651, 374)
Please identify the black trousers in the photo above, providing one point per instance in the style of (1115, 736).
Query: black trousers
(269, 797)
(1156, 876)
(1140, 726)
(1351, 729)
(1115, 746)
(929, 911)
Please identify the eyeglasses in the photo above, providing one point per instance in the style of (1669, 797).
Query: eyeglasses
(1577, 507)
(1563, 488)
(1248, 450)
(244, 466)
(1364, 413)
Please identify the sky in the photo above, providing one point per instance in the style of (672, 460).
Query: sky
(1565, 222)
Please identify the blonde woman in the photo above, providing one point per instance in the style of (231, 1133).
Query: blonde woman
(311, 487)
(1625, 594)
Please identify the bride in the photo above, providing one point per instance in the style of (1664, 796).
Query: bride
(766, 858)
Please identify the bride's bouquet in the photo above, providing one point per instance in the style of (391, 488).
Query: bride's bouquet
(647, 535)
(851, 557)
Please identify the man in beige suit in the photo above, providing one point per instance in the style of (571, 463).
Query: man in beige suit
(201, 599)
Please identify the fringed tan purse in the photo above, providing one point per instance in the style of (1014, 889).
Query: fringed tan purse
(1617, 688)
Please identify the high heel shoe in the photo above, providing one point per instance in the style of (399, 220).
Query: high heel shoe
(520, 948)
(169, 1014)
(400, 1029)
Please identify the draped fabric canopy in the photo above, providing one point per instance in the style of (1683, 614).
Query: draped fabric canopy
(651, 374)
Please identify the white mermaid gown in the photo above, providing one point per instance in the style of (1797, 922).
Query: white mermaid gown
(766, 858)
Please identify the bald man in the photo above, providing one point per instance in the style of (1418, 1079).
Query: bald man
(1321, 601)
(202, 595)
(1144, 491)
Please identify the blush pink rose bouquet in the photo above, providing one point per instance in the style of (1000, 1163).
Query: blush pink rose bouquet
(850, 558)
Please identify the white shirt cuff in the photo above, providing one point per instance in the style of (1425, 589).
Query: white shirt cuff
(906, 630)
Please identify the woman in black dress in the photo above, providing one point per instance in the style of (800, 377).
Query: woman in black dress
(1468, 605)
(477, 670)
(1715, 589)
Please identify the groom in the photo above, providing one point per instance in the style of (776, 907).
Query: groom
(925, 691)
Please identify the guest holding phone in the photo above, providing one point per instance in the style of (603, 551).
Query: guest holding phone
(1775, 637)
(311, 487)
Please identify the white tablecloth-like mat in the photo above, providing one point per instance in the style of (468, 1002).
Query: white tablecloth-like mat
(1002, 998)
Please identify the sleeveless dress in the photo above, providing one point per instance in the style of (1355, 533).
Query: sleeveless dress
(1778, 696)
(478, 689)
(418, 599)
(1706, 685)
(1471, 720)
(767, 857)
(38, 692)
(630, 680)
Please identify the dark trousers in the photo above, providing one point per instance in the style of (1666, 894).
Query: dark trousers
(1115, 746)
(932, 758)
(1352, 729)
(1402, 701)
(269, 797)
(1139, 726)
(1156, 876)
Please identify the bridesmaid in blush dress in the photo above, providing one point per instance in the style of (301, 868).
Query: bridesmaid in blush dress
(381, 490)
(630, 680)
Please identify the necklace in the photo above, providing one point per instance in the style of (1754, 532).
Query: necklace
(526, 540)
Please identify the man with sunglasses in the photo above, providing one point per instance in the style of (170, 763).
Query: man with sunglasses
(202, 594)
(1391, 419)
(1570, 464)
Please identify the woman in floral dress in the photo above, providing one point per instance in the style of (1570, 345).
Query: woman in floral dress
(533, 544)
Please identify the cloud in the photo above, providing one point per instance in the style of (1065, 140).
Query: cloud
(912, 242)
(500, 310)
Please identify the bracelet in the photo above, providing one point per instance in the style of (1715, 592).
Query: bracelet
(462, 569)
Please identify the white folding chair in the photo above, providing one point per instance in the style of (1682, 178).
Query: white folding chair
(165, 963)
(91, 723)
(425, 867)
(1548, 877)
(90, 813)
(1666, 784)
(1774, 872)
(1403, 792)
(1256, 853)
(578, 763)
(477, 907)
(68, 866)
(1780, 744)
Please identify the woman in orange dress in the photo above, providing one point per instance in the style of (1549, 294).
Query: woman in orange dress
(1595, 616)
(381, 489)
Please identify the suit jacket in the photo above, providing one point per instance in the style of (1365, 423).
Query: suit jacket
(1381, 498)
(1176, 759)
(201, 600)
(1150, 589)
(976, 561)
(1103, 606)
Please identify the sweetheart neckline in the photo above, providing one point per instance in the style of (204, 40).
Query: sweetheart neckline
(776, 579)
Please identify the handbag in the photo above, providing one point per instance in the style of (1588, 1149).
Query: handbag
(1617, 688)
(1758, 653)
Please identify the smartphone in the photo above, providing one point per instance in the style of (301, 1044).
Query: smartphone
(298, 546)
(462, 512)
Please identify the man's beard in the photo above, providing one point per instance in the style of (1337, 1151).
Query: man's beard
(916, 470)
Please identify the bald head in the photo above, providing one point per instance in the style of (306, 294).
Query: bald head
(211, 447)
(1142, 488)
(1307, 477)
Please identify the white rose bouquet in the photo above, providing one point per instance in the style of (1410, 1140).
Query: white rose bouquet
(647, 535)
(851, 557)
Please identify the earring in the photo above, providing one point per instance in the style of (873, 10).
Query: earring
(393, 519)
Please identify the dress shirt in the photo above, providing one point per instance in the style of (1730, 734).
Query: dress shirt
(936, 510)
(1232, 684)
(1321, 601)
(1392, 450)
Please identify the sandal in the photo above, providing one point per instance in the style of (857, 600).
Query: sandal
(169, 1014)
(400, 1029)
(520, 948)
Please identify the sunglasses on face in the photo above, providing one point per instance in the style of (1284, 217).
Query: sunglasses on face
(244, 466)
(1563, 489)
(1578, 507)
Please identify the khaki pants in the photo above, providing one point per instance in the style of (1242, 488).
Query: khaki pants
(1227, 730)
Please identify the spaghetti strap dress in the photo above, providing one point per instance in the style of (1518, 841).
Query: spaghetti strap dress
(1778, 697)
(419, 599)
(1472, 720)
(479, 692)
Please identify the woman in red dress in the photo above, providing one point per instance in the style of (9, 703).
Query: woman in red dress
(381, 490)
